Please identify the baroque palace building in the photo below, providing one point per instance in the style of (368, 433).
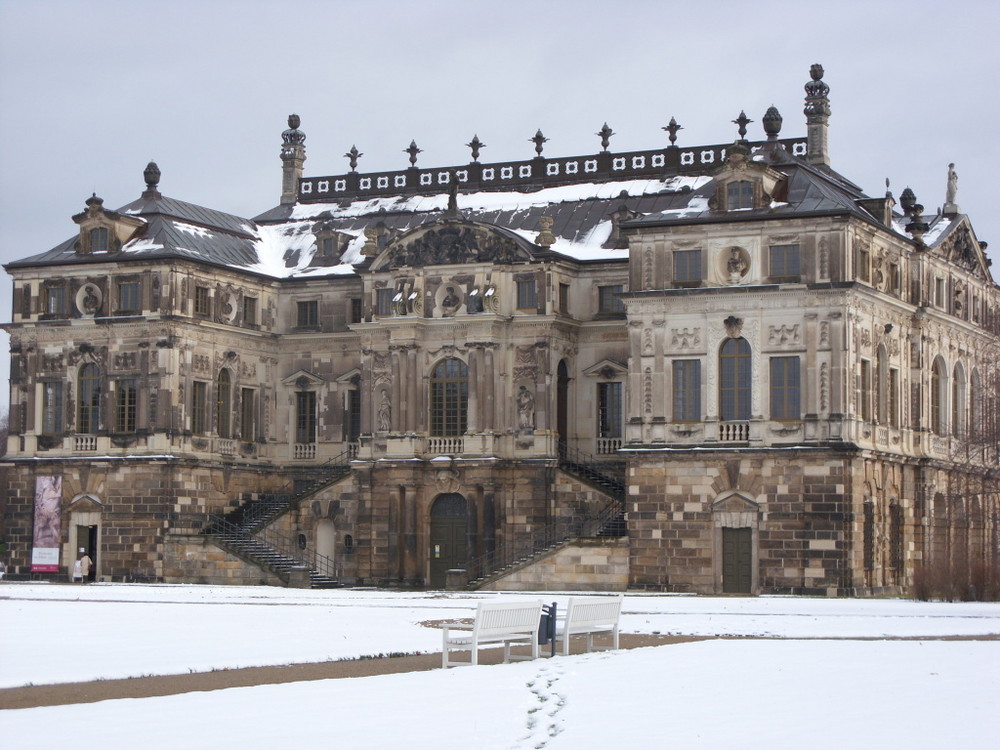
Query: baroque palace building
(712, 369)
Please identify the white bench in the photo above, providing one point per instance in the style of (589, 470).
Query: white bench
(587, 615)
(507, 623)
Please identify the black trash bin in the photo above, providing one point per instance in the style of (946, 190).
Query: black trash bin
(547, 626)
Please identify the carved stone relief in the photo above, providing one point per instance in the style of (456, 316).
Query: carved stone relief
(783, 335)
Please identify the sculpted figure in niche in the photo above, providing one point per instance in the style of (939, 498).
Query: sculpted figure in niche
(384, 415)
(736, 265)
(451, 301)
(526, 409)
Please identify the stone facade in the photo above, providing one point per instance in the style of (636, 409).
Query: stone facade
(435, 367)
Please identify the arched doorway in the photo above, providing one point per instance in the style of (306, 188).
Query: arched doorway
(562, 404)
(449, 545)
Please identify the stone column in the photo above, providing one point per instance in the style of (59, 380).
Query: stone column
(395, 393)
(486, 406)
(474, 389)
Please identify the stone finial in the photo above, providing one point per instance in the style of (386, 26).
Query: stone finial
(370, 249)
(916, 226)
(772, 123)
(817, 112)
(907, 200)
(352, 157)
(538, 139)
(93, 202)
(412, 150)
(152, 176)
(293, 136)
(475, 144)
(951, 193)
(742, 121)
(545, 236)
(605, 134)
(672, 127)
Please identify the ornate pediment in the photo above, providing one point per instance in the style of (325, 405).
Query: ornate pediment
(303, 380)
(959, 246)
(608, 369)
(453, 242)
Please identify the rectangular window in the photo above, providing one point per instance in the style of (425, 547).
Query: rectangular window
(785, 263)
(356, 310)
(894, 278)
(939, 292)
(250, 311)
(609, 410)
(201, 304)
(352, 416)
(527, 299)
(55, 300)
(866, 391)
(687, 268)
(52, 408)
(199, 407)
(307, 314)
(248, 410)
(739, 195)
(785, 390)
(864, 262)
(383, 302)
(128, 296)
(564, 299)
(126, 405)
(609, 299)
(687, 390)
(305, 417)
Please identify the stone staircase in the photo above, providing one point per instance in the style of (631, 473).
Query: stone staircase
(244, 531)
(607, 477)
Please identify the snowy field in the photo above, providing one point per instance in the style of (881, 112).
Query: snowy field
(801, 690)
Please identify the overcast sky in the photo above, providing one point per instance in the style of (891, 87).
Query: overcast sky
(92, 91)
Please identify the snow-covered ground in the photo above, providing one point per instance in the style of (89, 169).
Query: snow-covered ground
(802, 690)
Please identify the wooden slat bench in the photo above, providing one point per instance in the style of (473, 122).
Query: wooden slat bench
(507, 623)
(588, 615)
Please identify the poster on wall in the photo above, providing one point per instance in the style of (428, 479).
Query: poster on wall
(47, 535)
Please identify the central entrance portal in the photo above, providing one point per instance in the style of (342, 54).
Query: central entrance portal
(449, 537)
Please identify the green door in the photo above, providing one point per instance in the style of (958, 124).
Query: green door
(737, 561)
(449, 545)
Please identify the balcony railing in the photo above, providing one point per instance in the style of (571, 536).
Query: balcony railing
(304, 451)
(226, 447)
(734, 432)
(608, 445)
(446, 446)
(85, 443)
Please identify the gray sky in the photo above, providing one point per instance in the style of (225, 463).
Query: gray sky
(92, 91)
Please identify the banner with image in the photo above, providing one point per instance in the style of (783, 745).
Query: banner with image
(47, 536)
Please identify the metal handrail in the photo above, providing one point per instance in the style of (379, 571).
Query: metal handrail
(283, 545)
(610, 474)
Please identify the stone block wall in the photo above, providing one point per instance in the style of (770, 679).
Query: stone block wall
(583, 565)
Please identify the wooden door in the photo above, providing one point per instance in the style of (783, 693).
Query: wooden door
(448, 537)
(737, 561)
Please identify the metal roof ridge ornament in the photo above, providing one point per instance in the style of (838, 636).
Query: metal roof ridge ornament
(412, 150)
(742, 121)
(475, 144)
(605, 134)
(538, 139)
(772, 123)
(672, 127)
(353, 156)
(151, 174)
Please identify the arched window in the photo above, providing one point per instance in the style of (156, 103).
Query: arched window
(449, 398)
(99, 240)
(939, 397)
(224, 404)
(734, 380)
(958, 423)
(89, 390)
(739, 195)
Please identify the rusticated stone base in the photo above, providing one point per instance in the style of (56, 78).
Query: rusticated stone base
(583, 565)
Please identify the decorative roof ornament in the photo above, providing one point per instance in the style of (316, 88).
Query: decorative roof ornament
(605, 133)
(742, 121)
(772, 123)
(353, 156)
(545, 236)
(93, 202)
(538, 140)
(412, 150)
(817, 112)
(951, 193)
(151, 174)
(907, 200)
(672, 127)
(475, 144)
(452, 210)
(293, 136)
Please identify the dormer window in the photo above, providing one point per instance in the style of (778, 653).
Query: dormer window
(99, 240)
(739, 195)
